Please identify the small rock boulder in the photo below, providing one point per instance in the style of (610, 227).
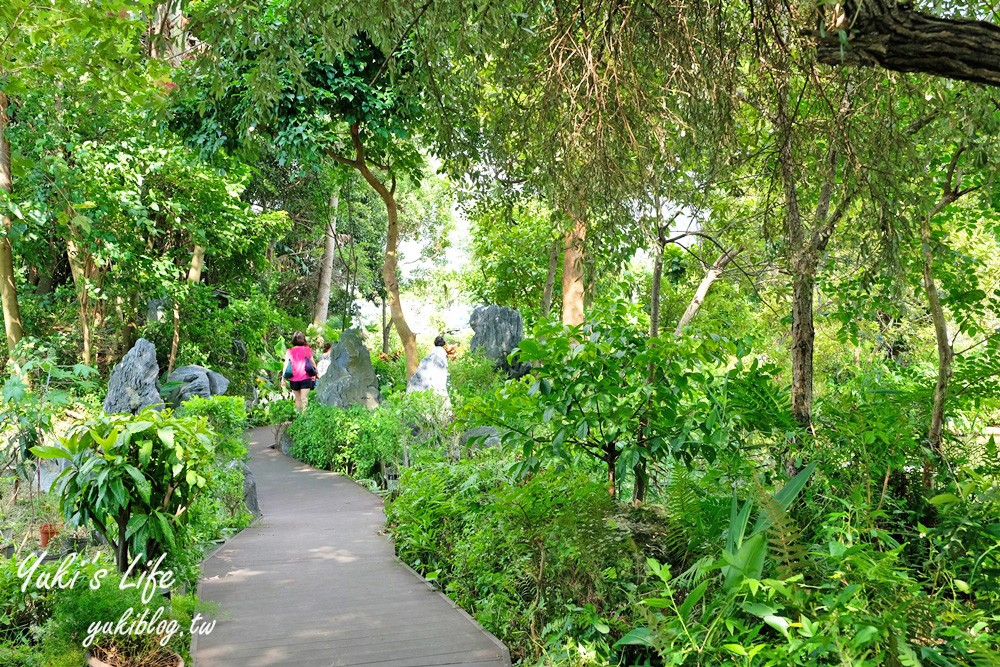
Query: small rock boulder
(350, 378)
(498, 330)
(432, 373)
(285, 442)
(480, 437)
(132, 386)
(197, 381)
(250, 492)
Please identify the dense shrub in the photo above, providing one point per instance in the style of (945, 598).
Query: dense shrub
(47, 628)
(391, 372)
(354, 441)
(272, 411)
(470, 375)
(211, 321)
(219, 511)
(543, 563)
(364, 443)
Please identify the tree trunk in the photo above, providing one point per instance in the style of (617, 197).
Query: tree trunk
(654, 296)
(385, 330)
(806, 246)
(79, 262)
(611, 460)
(130, 329)
(197, 264)
(803, 339)
(550, 278)
(640, 469)
(573, 289)
(8, 283)
(944, 349)
(711, 276)
(193, 277)
(390, 265)
(322, 308)
(892, 35)
(166, 32)
(389, 268)
(175, 339)
(47, 279)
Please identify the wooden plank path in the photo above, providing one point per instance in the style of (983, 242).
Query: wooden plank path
(315, 583)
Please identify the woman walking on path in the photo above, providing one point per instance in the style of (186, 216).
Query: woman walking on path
(300, 369)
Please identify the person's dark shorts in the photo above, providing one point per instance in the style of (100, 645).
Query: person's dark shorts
(302, 384)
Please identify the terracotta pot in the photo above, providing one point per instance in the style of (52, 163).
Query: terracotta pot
(48, 531)
(96, 662)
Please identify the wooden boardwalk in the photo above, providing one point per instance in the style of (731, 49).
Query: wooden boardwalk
(316, 583)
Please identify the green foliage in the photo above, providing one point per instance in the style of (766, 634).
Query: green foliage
(405, 428)
(75, 610)
(391, 373)
(606, 391)
(33, 398)
(511, 242)
(134, 479)
(470, 375)
(219, 511)
(354, 441)
(21, 612)
(227, 417)
(272, 412)
(537, 564)
(211, 324)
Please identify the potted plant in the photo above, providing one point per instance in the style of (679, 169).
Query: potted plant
(75, 542)
(47, 531)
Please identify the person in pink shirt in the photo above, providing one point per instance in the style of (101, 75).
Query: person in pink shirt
(300, 370)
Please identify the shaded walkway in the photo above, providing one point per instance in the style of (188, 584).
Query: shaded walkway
(315, 583)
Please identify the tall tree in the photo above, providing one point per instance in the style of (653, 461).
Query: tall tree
(313, 103)
(8, 279)
(321, 310)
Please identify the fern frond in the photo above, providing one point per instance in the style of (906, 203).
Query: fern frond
(784, 539)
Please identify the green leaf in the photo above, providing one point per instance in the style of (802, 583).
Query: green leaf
(865, 635)
(166, 530)
(135, 522)
(50, 452)
(747, 563)
(142, 485)
(788, 493)
(145, 452)
(637, 637)
(166, 436)
(692, 599)
(945, 499)
(779, 623)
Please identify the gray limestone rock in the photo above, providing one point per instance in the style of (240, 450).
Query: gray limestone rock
(47, 472)
(285, 442)
(480, 437)
(156, 310)
(250, 492)
(498, 330)
(350, 379)
(249, 487)
(198, 381)
(432, 373)
(132, 386)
